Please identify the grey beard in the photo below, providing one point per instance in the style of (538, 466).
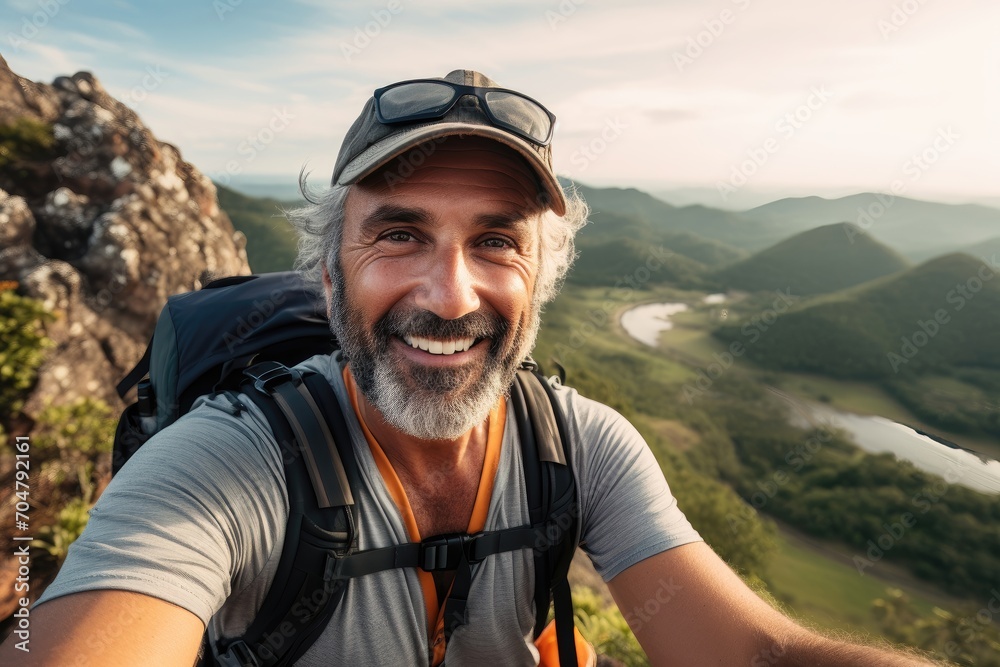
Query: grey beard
(436, 403)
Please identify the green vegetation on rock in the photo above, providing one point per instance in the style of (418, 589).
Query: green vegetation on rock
(87, 426)
(22, 323)
(23, 140)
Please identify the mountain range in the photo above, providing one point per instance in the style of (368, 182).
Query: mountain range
(933, 318)
(914, 228)
(817, 261)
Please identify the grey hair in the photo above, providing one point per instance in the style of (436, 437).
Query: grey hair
(320, 225)
(557, 245)
(320, 228)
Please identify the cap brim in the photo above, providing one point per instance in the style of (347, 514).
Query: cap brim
(382, 152)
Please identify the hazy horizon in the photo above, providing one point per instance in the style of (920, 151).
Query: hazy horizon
(747, 99)
(284, 186)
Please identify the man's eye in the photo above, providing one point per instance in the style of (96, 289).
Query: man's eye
(497, 243)
(399, 236)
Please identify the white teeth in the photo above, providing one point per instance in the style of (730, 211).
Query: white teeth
(439, 346)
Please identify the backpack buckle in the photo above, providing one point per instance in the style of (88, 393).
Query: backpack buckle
(238, 655)
(442, 552)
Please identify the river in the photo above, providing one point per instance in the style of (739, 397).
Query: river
(872, 433)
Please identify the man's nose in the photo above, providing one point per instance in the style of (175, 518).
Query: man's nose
(449, 288)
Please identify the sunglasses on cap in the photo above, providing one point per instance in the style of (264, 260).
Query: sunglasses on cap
(432, 99)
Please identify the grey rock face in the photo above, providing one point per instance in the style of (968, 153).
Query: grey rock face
(102, 222)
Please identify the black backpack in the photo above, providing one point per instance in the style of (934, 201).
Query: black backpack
(244, 334)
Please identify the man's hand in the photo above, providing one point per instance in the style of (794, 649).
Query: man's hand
(108, 629)
(687, 607)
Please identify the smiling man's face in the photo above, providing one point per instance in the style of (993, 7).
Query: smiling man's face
(434, 300)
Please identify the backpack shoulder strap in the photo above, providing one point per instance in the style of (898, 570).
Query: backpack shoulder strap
(552, 501)
(319, 464)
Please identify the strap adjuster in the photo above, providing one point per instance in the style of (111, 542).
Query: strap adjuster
(238, 655)
(442, 552)
(267, 374)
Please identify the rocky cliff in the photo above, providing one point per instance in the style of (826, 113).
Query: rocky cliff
(102, 222)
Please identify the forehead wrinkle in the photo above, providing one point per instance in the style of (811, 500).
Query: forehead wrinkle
(432, 172)
(521, 190)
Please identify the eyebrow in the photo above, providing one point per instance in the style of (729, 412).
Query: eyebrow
(513, 220)
(389, 213)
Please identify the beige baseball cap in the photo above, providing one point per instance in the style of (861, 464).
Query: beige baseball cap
(371, 143)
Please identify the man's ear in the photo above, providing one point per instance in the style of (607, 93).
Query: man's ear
(328, 291)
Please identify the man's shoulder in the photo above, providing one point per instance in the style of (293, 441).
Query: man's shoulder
(235, 407)
(585, 413)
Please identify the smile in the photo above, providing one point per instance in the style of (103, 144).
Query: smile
(443, 347)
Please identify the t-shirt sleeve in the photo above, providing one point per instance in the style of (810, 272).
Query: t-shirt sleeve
(627, 510)
(190, 519)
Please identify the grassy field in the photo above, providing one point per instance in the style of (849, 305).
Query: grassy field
(824, 591)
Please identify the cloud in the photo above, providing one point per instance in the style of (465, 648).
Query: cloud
(589, 62)
(666, 116)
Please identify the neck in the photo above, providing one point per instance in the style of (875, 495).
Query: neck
(417, 458)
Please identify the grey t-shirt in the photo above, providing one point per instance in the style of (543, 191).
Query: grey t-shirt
(197, 518)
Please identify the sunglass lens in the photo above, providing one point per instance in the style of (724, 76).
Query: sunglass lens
(423, 98)
(520, 113)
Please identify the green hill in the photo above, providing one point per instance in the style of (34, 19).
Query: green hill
(918, 229)
(983, 250)
(930, 319)
(271, 242)
(709, 252)
(821, 260)
(625, 261)
(610, 206)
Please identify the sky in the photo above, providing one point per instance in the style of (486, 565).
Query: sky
(730, 102)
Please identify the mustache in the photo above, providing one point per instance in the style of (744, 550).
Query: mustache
(426, 324)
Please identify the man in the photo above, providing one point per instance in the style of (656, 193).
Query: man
(444, 234)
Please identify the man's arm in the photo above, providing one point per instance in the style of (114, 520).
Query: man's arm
(687, 607)
(108, 628)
